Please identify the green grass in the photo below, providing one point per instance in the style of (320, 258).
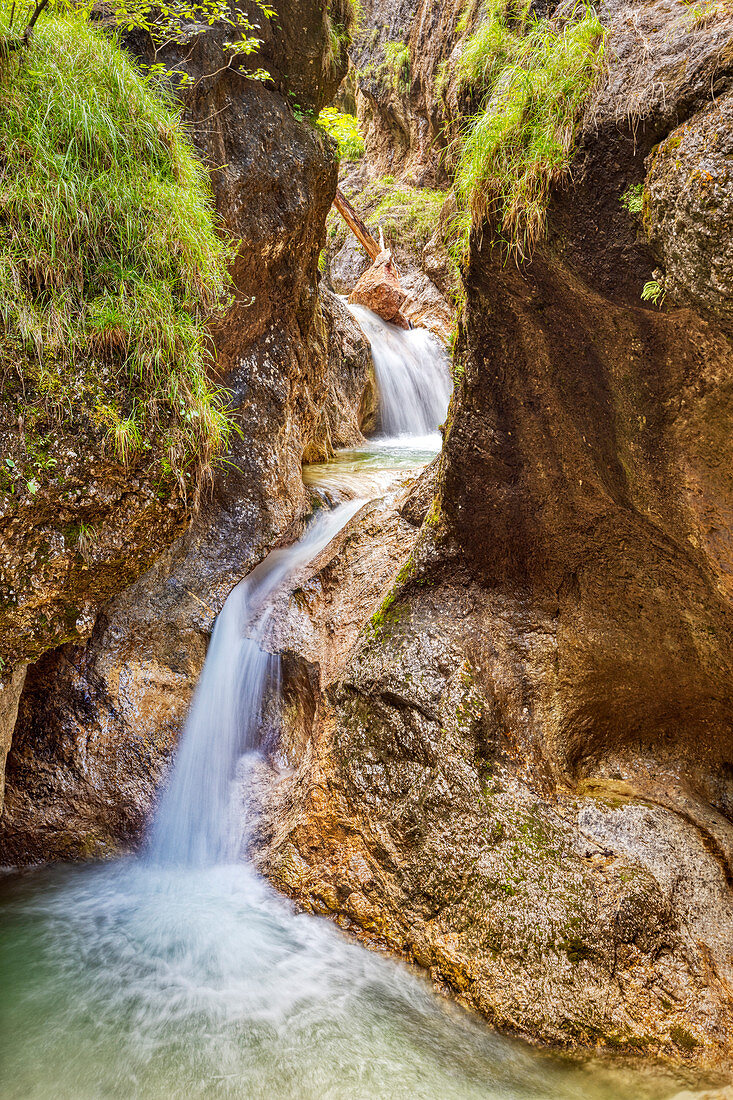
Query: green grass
(110, 260)
(394, 71)
(397, 61)
(408, 215)
(534, 78)
(341, 18)
(633, 198)
(344, 129)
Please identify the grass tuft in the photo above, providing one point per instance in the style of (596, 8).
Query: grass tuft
(534, 77)
(110, 260)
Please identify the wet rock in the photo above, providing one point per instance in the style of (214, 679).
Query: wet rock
(352, 394)
(274, 183)
(417, 500)
(689, 210)
(11, 687)
(348, 265)
(379, 289)
(530, 747)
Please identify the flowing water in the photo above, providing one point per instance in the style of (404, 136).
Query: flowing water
(413, 376)
(181, 973)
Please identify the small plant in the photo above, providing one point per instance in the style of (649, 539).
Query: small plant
(703, 14)
(442, 77)
(344, 129)
(633, 198)
(341, 19)
(397, 63)
(653, 291)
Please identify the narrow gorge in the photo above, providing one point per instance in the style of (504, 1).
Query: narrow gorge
(366, 553)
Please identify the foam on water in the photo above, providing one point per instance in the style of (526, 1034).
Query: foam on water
(135, 980)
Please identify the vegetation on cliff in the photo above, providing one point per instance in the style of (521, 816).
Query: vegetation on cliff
(344, 129)
(534, 77)
(110, 260)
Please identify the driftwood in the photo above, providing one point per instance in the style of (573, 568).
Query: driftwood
(377, 252)
(356, 225)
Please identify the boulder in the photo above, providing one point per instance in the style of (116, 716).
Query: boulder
(379, 289)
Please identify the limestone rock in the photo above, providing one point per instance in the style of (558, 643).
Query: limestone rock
(689, 211)
(528, 753)
(379, 289)
(70, 792)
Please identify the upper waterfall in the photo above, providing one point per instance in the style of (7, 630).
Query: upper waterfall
(413, 376)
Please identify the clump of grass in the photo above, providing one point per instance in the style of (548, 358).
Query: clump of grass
(110, 260)
(633, 198)
(397, 63)
(409, 215)
(344, 129)
(534, 77)
(341, 19)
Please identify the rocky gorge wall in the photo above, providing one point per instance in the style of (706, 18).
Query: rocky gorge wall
(521, 775)
(99, 720)
(517, 771)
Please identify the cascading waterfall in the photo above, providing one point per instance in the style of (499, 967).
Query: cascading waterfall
(198, 821)
(413, 376)
(183, 973)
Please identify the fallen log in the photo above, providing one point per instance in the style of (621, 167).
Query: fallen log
(356, 225)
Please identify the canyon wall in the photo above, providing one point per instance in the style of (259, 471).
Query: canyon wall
(98, 720)
(522, 775)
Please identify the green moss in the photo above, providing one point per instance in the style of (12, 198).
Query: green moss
(110, 260)
(633, 198)
(682, 1038)
(442, 76)
(397, 63)
(576, 949)
(534, 78)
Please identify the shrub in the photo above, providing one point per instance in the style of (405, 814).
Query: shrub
(534, 78)
(110, 260)
(344, 129)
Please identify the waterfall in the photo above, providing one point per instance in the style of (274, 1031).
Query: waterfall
(198, 822)
(184, 973)
(413, 375)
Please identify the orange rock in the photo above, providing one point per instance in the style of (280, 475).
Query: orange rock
(379, 289)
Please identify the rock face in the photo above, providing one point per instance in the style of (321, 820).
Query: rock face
(379, 289)
(522, 775)
(98, 723)
(403, 113)
(690, 210)
(299, 374)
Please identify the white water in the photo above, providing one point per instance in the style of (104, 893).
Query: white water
(413, 376)
(184, 975)
(199, 820)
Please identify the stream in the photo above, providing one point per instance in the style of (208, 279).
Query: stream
(180, 972)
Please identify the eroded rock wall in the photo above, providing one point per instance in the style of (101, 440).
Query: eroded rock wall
(97, 722)
(523, 775)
